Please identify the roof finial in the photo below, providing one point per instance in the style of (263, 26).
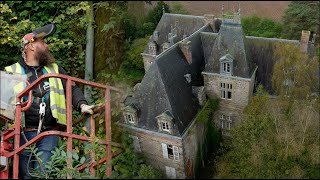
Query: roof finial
(163, 10)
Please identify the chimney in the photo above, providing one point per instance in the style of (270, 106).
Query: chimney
(185, 47)
(209, 19)
(304, 41)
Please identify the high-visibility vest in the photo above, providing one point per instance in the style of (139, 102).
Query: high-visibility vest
(57, 96)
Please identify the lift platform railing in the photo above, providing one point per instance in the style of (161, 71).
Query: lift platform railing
(6, 147)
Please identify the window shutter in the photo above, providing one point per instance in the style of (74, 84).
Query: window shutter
(164, 150)
(175, 153)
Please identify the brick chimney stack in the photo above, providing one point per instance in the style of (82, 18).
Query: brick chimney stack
(185, 47)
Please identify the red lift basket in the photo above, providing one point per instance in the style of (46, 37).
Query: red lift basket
(11, 113)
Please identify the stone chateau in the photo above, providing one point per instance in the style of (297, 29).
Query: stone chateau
(188, 60)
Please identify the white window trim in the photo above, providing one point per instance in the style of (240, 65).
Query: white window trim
(175, 151)
(130, 118)
(225, 122)
(166, 125)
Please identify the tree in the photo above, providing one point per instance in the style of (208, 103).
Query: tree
(278, 138)
(261, 27)
(295, 73)
(155, 14)
(301, 15)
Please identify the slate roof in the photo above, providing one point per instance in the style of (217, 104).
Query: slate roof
(230, 39)
(164, 87)
(185, 24)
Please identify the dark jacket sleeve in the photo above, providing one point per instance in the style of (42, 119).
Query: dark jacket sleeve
(77, 95)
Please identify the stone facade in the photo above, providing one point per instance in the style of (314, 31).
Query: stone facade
(241, 89)
(156, 148)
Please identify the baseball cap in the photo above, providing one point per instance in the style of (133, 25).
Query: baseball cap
(41, 32)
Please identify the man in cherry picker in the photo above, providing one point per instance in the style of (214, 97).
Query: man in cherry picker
(48, 108)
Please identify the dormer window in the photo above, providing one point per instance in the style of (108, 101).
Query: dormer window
(165, 126)
(130, 118)
(152, 48)
(226, 64)
(165, 46)
(165, 122)
(130, 115)
(226, 67)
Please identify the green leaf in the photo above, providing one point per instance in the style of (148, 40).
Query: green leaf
(75, 155)
(82, 160)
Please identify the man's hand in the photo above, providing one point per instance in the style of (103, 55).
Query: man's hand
(87, 109)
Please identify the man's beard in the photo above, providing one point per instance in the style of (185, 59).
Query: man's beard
(44, 57)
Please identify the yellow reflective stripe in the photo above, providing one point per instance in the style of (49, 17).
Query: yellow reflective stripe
(57, 96)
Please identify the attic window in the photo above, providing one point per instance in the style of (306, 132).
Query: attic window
(130, 115)
(165, 122)
(130, 118)
(226, 64)
(152, 48)
(165, 46)
(165, 126)
(226, 67)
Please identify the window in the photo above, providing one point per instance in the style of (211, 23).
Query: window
(170, 151)
(165, 46)
(226, 91)
(225, 122)
(226, 67)
(130, 118)
(152, 48)
(165, 126)
(226, 63)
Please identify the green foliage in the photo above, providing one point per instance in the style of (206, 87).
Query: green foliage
(132, 68)
(261, 27)
(177, 8)
(206, 111)
(294, 72)
(301, 15)
(57, 166)
(20, 17)
(155, 14)
(131, 165)
(277, 138)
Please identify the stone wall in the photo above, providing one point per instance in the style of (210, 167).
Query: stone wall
(241, 89)
(151, 147)
(192, 143)
(149, 143)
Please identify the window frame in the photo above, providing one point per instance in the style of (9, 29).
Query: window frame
(226, 91)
